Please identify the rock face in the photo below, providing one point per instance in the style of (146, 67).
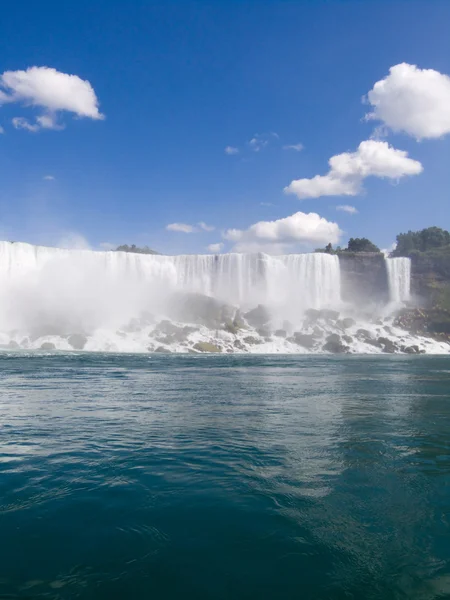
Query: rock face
(197, 308)
(364, 279)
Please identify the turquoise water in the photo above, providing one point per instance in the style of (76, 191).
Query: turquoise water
(128, 477)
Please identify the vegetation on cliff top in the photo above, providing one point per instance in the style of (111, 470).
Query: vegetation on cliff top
(355, 245)
(135, 249)
(431, 239)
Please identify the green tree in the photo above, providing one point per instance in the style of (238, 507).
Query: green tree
(421, 241)
(361, 245)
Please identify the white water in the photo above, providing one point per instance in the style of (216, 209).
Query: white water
(399, 279)
(85, 290)
(116, 299)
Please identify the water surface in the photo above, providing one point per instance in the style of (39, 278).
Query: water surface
(135, 476)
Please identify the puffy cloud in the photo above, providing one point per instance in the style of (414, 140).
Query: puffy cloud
(49, 177)
(231, 150)
(215, 248)
(206, 227)
(351, 210)
(296, 147)
(50, 90)
(181, 227)
(348, 170)
(415, 101)
(277, 236)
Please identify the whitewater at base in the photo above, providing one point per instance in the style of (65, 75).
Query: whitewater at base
(55, 299)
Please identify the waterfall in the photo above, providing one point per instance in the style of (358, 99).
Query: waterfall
(75, 289)
(399, 278)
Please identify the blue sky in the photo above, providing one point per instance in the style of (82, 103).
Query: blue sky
(178, 82)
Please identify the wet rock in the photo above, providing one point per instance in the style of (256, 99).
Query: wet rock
(48, 346)
(335, 347)
(258, 317)
(317, 332)
(347, 339)
(388, 330)
(333, 338)
(388, 345)
(312, 314)
(77, 340)
(363, 334)
(167, 327)
(282, 333)
(346, 323)
(264, 332)
(201, 309)
(253, 341)
(206, 347)
(303, 339)
(162, 350)
(239, 345)
(12, 345)
(329, 315)
(410, 349)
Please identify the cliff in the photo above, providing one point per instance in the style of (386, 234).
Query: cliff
(364, 278)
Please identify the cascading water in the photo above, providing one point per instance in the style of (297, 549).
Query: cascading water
(116, 301)
(399, 279)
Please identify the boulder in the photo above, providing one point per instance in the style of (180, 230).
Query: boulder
(346, 323)
(335, 346)
(77, 340)
(347, 339)
(257, 317)
(254, 341)
(329, 315)
(388, 345)
(201, 309)
(162, 350)
(48, 346)
(206, 347)
(264, 332)
(363, 334)
(13, 345)
(282, 333)
(231, 327)
(410, 349)
(239, 345)
(312, 314)
(287, 326)
(303, 339)
(333, 338)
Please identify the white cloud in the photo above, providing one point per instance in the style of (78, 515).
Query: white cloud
(22, 123)
(49, 177)
(266, 204)
(412, 100)
(181, 227)
(50, 90)
(351, 210)
(296, 147)
(260, 140)
(215, 248)
(277, 236)
(348, 170)
(206, 227)
(1, 130)
(231, 150)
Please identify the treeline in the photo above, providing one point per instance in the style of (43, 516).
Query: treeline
(424, 240)
(354, 245)
(408, 244)
(135, 249)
